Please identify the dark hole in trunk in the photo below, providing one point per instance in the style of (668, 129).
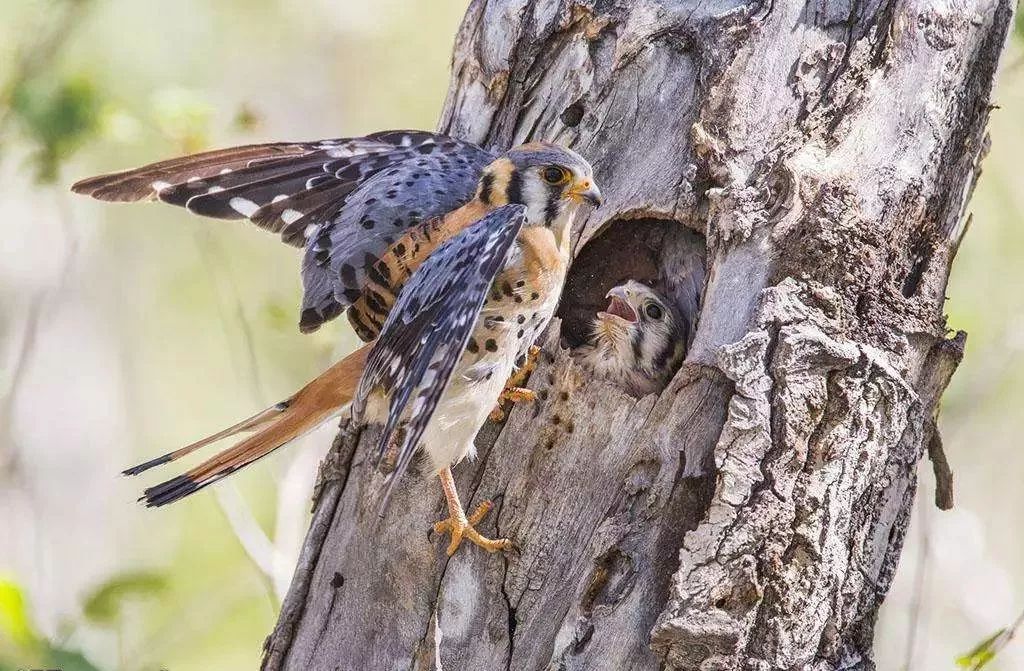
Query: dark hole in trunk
(661, 253)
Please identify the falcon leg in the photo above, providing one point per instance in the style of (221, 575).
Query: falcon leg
(514, 391)
(458, 525)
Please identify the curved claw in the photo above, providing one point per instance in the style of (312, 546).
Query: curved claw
(463, 529)
(457, 524)
(514, 391)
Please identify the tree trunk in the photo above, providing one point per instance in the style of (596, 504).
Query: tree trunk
(752, 515)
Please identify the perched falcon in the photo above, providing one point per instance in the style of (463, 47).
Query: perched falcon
(449, 258)
(638, 342)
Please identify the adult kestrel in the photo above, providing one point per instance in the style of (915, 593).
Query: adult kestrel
(451, 257)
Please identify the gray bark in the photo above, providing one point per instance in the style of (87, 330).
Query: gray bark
(752, 515)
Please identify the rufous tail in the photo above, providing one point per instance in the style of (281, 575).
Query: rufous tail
(276, 426)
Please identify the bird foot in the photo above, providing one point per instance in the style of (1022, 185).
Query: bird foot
(514, 390)
(513, 395)
(518, 378)
(459, 527)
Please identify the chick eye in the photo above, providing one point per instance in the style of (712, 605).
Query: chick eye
(653, 311)
(554, 175)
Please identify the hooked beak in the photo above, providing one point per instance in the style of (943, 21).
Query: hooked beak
(588, 191)
(619, 306)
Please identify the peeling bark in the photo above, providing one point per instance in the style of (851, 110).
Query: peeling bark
(752, 515)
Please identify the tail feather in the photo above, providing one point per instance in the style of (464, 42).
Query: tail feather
(278, 425)
(248, 424)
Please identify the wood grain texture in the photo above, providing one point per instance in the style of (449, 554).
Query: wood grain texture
(752, 515)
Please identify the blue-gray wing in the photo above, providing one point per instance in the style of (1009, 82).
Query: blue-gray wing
(343, 199)
(346, 245)
(426, 331)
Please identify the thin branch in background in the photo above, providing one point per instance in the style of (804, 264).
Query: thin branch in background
(8, 446)
(213, 258)
(293, 492)
(254, 541)
(986, 651)
(29, 339)
(268, 554)
(31, 59)
(1004, 639)
(243, 523)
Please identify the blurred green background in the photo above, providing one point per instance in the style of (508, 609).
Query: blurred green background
(127, 331)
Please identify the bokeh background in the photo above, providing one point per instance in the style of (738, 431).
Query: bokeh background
(127, 331)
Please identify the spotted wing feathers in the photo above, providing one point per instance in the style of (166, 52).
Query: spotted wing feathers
(426, 332)
(343, 248)
(272, 184)
(386, 277)
(345, 200)
(147, 182)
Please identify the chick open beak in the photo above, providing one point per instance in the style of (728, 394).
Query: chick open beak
(588, 191)
(619, 306)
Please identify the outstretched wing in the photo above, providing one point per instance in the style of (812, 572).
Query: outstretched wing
(427, 330)
(344, 247)
(346, 200)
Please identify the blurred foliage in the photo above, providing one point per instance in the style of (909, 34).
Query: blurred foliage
(981, 654)
(14, 613)
(103, 605)
(247, 119)
(58, 117)
(22, 645)
(56, 114)
(184, 117)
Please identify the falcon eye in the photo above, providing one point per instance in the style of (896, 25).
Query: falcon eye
(653, 311)
(554, 175)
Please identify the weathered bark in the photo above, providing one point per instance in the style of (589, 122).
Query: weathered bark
(751, 517)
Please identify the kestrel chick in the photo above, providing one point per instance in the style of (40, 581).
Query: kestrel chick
(638, 342)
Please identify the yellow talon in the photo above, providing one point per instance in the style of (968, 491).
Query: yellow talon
(514, 392)
(457, 524)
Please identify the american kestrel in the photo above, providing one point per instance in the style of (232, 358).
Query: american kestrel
(638, 341)
(449, 258)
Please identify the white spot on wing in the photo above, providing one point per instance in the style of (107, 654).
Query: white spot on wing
(215, 189)
(243, 206)
(278, 198)
(160, 185)
(290, 216)
(225, 171)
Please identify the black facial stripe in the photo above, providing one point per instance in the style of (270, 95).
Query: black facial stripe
(637, 342)
(486, 186)
(665, 354)
(551, 206)
(515, 188)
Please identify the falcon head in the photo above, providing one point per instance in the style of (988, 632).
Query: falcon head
(551, 181)
(638, 341)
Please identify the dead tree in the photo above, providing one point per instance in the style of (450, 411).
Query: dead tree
(752, 515)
